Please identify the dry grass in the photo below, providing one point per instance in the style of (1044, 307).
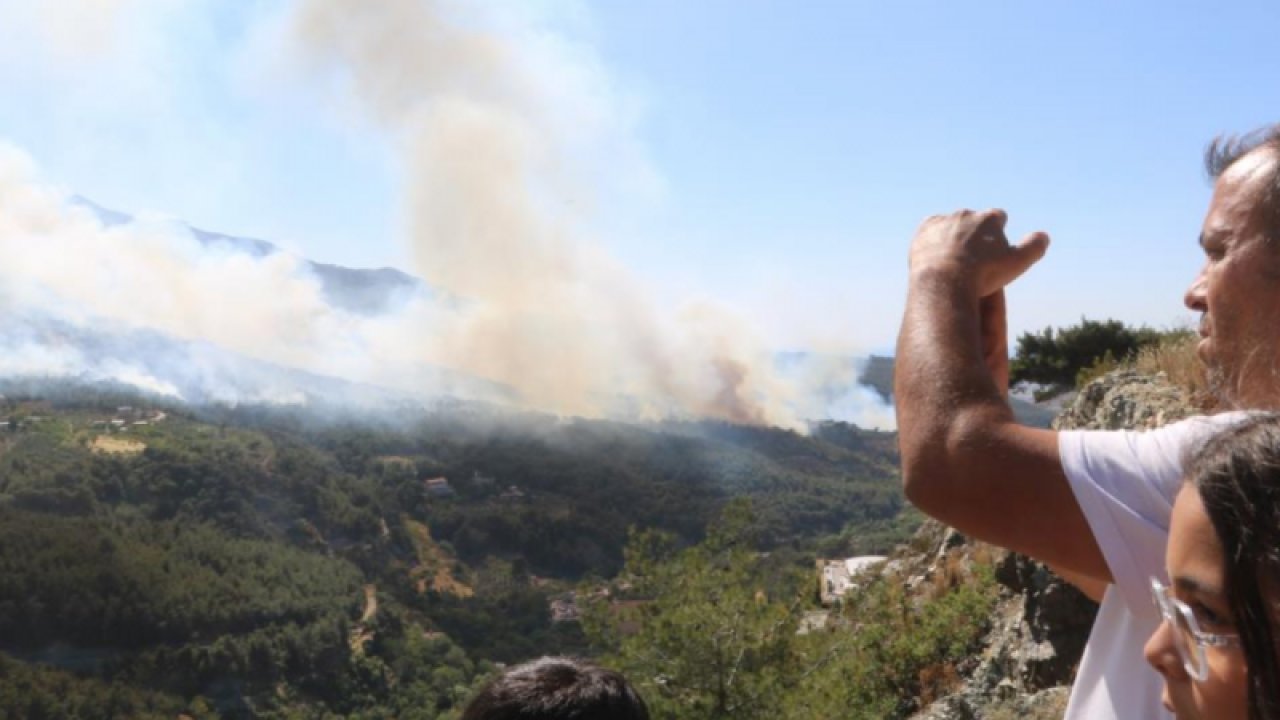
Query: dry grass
(1052, 706)
(1178, 361)
(398, 460)
(116, 446)
(938, 681)
(958, 567)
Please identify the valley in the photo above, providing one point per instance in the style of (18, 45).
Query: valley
(264, 562)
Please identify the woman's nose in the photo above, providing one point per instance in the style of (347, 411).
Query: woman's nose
(1162, 654)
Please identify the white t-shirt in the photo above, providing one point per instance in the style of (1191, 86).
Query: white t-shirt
(1125, 483)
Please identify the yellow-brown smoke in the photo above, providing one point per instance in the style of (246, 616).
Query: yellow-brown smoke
(501, 133)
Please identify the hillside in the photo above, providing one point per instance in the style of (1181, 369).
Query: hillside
(877, 374)
(218, 562)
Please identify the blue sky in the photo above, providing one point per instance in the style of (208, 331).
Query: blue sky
(795, 146)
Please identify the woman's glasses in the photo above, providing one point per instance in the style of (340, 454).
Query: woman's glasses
(1189, 639)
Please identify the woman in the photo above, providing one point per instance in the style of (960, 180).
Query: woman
(1217, 647)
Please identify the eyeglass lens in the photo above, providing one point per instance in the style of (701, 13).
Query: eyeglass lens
(1179, 616)
(1186, 641)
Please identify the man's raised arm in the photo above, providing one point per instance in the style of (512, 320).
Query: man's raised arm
(965, 460)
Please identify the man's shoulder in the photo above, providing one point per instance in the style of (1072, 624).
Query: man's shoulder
(1149, 445)
(1125, 483)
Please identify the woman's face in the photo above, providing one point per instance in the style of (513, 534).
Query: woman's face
(1196, 577)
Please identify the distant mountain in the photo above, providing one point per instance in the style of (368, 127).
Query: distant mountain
(37, 344)
(362, 291)
(877, 374)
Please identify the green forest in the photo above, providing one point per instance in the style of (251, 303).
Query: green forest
(158, 561)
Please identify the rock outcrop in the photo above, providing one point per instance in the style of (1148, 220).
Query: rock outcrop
(1038, 631)
(1125, 400)
(1040, 625)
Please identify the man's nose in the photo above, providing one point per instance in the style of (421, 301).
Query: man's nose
(1195, 297)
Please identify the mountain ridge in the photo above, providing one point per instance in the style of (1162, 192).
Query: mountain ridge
(877, 374)
(365, 291)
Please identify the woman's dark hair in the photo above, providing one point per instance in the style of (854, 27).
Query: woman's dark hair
(1237, 474)
(555, 688)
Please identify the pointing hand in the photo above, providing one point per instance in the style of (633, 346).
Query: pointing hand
(970, 248)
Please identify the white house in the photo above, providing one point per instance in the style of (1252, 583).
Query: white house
(839, 576)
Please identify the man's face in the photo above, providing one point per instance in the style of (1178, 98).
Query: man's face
(1238, 290)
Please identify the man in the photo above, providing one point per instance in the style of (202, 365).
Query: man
(553, 688)
(1094, 505)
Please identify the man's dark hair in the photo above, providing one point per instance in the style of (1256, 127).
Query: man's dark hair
(1237, 474)
(1225, 150)
(555, 688)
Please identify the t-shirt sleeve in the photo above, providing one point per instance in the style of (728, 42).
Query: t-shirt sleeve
(1125, 483)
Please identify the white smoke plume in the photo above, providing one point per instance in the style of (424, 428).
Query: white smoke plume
(512, 140)
(59, 261)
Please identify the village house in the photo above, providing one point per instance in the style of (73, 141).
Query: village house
(564, 608)
(838, 577)
(438, 487)
(512, 494)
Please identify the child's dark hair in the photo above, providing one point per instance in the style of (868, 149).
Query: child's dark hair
(1237, 474)
(555, 688)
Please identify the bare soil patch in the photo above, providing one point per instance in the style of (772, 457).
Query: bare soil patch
(434, 570)
(117, 446)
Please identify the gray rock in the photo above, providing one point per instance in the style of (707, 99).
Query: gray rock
(1125, 400)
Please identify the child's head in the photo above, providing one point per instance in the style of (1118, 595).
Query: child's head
(1217, 653)
(553, 688)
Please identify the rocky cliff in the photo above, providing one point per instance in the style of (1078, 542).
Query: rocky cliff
(1040, 624)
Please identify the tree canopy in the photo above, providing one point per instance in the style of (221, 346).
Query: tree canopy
(1056, 357)
(222, 562)
(713, 631)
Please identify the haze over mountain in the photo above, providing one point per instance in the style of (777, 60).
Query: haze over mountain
(55, 340)
(362, 291)
(207, 317)
(877, 374)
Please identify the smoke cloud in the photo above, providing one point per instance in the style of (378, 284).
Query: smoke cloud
(512, 141)
(504, 137)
